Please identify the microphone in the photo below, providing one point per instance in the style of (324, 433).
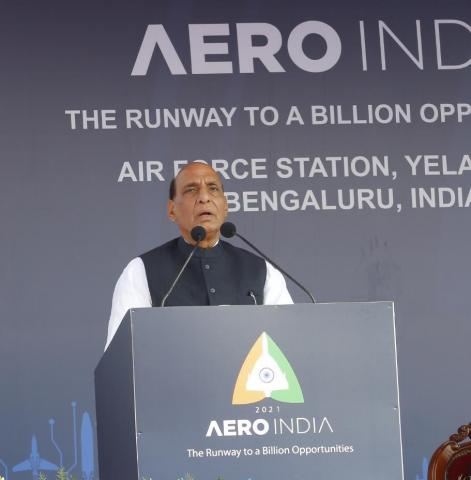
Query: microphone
(252, 296)
(228, 230)
(198, 234)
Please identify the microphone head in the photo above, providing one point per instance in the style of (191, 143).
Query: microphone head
(228, 229)
(198, 233)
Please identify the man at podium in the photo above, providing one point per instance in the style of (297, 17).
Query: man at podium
(218, 273)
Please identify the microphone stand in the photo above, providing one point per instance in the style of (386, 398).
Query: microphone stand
(197, 233)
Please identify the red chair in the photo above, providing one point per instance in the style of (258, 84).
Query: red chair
(452, 459)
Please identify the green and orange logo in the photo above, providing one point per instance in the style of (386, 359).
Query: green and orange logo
(266, 373)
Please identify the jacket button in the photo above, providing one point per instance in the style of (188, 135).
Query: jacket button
(212, 290)
(206, 267)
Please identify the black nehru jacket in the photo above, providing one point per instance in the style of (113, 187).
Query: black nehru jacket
(222, 275)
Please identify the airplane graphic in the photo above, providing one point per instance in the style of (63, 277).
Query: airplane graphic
(86, 443)
(34, 463)
(266, 374)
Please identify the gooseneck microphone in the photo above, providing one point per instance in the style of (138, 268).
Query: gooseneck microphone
(198, 234)
(228, 230)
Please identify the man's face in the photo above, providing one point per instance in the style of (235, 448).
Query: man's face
(199, 200)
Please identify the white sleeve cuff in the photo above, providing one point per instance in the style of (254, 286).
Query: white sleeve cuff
(275, 291)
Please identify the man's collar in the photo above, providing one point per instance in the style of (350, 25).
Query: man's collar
(211, 252)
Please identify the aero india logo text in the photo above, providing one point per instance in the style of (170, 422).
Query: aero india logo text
(266, 373)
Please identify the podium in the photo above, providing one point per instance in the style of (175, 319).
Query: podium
(251, 392)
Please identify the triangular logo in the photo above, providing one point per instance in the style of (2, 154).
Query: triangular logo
(266, 373)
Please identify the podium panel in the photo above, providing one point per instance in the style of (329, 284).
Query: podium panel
(251, 392)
